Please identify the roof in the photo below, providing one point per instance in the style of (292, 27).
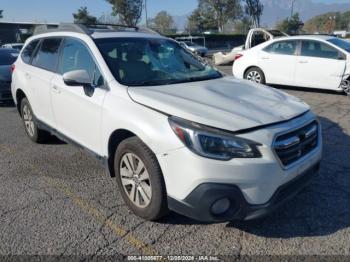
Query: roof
(27, 23)
(113, 34)
(308, 37)
(98, 30)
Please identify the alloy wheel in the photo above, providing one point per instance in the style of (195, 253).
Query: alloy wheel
(28, 120)
(254, 76)
(345, 85)
(135, 180)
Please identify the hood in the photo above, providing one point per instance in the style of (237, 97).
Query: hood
(225, 103)
(5, 73)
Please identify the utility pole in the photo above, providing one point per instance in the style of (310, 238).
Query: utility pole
(146, 12)
(292, 11)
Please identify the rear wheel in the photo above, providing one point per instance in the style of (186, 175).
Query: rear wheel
(140, 179)
(35, 134)
(255, 75)
(345, 85)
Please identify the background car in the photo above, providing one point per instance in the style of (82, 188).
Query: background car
(194, 48)
(255, 37)
(7, 58)
(321, 62)
(17, 46)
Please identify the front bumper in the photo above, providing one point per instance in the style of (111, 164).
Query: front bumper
(198, 205)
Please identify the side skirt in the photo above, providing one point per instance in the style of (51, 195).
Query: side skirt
(103, 160)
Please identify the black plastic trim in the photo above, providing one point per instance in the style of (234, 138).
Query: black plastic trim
(103, 160)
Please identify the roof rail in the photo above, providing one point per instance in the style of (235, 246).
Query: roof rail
(89, 29)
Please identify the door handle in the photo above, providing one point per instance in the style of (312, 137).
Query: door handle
(265, 58)
(303, 62)
(56, 89)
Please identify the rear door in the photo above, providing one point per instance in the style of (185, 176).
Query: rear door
(78, 114)
(39, 77)
(278, 61)
(319, 65)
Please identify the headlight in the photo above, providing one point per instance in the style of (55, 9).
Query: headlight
(213, 143)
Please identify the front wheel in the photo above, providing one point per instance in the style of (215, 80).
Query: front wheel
(255, 75)
(140, 179)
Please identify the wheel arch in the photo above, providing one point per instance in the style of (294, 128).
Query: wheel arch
(114, 141)
(250, 67)
(20, 95)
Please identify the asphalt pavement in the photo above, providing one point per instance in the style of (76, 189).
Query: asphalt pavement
(56, 200)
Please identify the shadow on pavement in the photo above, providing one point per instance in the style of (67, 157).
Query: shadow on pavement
(8, 104)
(322, 208)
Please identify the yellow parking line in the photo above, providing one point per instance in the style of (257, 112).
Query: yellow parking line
(92, 211)
(83, 204)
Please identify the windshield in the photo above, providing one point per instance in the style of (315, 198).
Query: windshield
(340, 43)
(8, 58)
(158, 61)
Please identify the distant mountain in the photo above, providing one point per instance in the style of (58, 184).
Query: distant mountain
(275, 10)
(181, 21)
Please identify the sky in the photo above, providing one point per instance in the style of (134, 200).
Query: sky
(61, 10)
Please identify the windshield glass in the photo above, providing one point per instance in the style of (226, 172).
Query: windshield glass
(157, 61)
(340, 43)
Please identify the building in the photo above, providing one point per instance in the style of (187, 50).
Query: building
(17, 32)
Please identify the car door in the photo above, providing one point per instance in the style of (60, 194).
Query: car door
(319, 65)
(39, 76)
(78, 113)
(278, 61)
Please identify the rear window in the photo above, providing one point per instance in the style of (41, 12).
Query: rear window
(47, 56)
(8, 58)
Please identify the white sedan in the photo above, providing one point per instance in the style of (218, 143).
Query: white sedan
(321, 62)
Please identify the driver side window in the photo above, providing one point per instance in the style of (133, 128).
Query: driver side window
(76, 56)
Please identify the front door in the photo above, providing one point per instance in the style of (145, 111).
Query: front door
(78, 113)
(319, 66)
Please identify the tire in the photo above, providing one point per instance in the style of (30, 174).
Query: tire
(256, 75)
(148, 199)
(34, 133)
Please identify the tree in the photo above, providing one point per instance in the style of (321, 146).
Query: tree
(163, 23)
(243, 25)
(224, 10)
(290, 26)
(326, 23)
(128, 11)
(83, 17)
(1, 11)
(254, 9)
(200, 21)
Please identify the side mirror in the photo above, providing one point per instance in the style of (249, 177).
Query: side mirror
(79, 78)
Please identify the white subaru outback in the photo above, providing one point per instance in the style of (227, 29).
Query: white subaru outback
(175, 132)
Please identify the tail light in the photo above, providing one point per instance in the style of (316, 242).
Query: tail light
(238, 56)
(13, 67)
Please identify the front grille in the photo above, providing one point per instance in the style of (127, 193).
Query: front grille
(295, 145)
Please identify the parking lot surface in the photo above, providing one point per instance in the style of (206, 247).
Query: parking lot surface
(57, 200)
